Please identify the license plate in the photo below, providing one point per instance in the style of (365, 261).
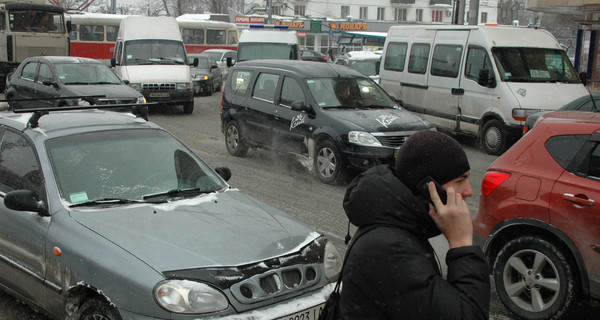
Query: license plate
(159, 94)
(308, 314)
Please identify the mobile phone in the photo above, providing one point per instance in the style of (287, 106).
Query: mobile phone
(423, 187)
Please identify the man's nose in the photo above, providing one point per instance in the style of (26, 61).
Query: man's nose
(468, 191)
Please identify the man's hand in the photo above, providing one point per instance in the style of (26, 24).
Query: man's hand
(453, 219)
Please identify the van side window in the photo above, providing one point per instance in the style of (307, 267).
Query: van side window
(240, 81)
(195, 36)
(291, 92)
(111, 33)
(395, 56)
(419, 54)
(215, 36)
(91, 33)
(446, 60)
(265, 86)
(477, 59)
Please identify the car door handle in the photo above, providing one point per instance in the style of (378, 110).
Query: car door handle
(578, 199)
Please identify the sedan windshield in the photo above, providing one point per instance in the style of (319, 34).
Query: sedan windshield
(123, 166)
(85, 73)
(534, 65)
(348, 93)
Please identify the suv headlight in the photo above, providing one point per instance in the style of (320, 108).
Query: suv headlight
(184, 85)
(184, 296)
(141, 99)
(363, 138)
(332, 261)
(200, 77)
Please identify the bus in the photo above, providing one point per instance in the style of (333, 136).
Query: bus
(93, 35)
(30, 29)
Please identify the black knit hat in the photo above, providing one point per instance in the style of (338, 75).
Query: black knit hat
(430, 153)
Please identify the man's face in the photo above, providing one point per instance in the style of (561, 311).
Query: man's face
(460, 185)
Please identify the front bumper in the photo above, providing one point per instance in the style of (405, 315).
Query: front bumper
(169, 97)
(277, 311)
(201, 86)
(363, 158)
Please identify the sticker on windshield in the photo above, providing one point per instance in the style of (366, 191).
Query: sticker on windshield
(386, 119)
(78, 197)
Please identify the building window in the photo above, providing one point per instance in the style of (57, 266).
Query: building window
(364, 13)
(419, 16)
(380, 13)
(345, 12)
(299, 10)
(483, 17)
(436, 15)
(276, 10)
(400, 14)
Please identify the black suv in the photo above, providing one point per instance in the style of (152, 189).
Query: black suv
(335, 116)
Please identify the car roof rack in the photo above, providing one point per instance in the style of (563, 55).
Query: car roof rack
(40, 112)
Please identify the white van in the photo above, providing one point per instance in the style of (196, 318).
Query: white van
(150, 54)
(478, 80)
(268, 44)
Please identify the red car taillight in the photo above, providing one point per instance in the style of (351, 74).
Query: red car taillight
(492, 180)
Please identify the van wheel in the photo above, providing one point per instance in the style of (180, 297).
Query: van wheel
(328, 163)
(493, 137)
(234, 140)
(188, 107)
(534, 279)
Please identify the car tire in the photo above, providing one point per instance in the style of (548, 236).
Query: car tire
(493, 137)
(534, 279)
(96, 309)
(188, 107)
(234, 141)
(328, 163)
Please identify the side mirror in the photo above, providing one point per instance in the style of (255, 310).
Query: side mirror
(301, 107)
(195, 62)
(485, 79)
(23, 200)
(224, 172)
(113, 62)
(230, 62)
(50, 83)
(583, 78)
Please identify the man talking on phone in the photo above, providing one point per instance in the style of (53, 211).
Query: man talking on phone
(392, 272)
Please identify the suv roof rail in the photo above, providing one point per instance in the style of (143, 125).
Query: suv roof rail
(40, 112)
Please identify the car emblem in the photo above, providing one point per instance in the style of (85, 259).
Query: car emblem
(522, 92)
(118, 101)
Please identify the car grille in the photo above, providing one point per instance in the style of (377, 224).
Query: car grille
(158, 86)
(117, 101)
(264, 280)
(392, 139)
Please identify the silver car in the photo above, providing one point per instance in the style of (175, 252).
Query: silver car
(107, 216)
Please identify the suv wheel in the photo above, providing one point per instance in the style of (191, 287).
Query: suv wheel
(328, 163)
(533, 278)
(234, 140)
(188, 107)
(493, 137)
(97, 309)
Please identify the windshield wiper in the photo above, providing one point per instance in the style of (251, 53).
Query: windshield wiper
(177, 193)
(105, 201)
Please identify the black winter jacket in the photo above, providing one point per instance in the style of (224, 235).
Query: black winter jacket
(391, 272)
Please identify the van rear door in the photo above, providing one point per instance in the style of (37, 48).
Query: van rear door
(444, 94)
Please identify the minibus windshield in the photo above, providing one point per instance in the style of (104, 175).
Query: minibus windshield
(534, 65)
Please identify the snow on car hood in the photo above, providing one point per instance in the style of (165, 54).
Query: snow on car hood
(545, 96)
(381, 120)
(157, 73)
(225, 229)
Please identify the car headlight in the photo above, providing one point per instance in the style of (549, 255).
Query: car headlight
(200, 77)
(184, 85)
(184, 296)
(136, 86)
(363, 138)
(141, 99)
(332, 261)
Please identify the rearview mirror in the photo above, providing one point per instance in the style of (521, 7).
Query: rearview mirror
(24, 200)
(224, 172)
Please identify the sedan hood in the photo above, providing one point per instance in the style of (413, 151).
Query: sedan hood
(156, 73)
(225, 229)
(379, 120)
(110, 91)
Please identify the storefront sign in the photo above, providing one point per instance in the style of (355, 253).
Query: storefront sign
(290, 24)
(249, 19)
(345, 26)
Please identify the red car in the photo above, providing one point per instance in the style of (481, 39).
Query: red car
(538, 220)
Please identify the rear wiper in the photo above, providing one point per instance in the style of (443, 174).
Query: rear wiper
(176, 193)
(105, 201)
